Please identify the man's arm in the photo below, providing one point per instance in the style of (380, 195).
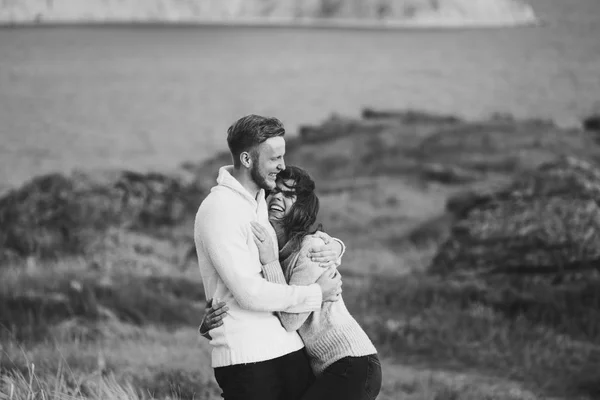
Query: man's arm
(340, 249)
(322, 254)
(225, 242)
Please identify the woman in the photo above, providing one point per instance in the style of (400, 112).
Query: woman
(342, 357)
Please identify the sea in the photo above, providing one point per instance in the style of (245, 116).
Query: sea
(151, 97)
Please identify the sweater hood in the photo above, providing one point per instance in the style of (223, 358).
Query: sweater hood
(225, 180)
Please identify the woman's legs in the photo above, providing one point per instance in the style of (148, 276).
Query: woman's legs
(351, 378)
(374, 377)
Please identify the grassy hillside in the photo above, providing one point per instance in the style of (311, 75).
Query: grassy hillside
(115, 317)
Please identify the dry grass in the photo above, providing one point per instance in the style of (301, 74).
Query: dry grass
(154, 364)
(144, 363)
(453, 340)
(18, 386)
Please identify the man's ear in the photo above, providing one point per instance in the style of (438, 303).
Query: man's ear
(246, 159)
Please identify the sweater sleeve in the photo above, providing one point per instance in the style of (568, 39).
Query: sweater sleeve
(224, 238)
(339, 260)
(303, 272)
(274, 273)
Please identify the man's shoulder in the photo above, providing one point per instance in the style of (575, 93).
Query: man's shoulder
(222, 206)
(219, 198)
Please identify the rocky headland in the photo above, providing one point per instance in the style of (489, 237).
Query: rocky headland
(471, 244)
(373, 13)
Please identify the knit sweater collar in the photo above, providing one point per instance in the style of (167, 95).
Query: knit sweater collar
(226, 179)
(286, 251)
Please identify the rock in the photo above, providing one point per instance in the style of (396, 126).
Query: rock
(460, 203)
(592, 123)
(546, 222)
(55, 214)
(504, 146)
(409, 116)
(565, 176)
(337, 126)
(448, 174)
(432, 231)
(155, 199)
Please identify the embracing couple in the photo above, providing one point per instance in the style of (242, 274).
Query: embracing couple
(279, 329)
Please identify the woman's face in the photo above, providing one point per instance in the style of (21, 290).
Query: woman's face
(281, 199)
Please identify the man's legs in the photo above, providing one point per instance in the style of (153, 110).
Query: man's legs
(296, 375)
(253, 381)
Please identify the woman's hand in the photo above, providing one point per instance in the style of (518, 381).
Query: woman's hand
(213, 317)
(328, 254)
(262, 238)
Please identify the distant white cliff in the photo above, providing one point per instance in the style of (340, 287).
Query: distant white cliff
(377, 12)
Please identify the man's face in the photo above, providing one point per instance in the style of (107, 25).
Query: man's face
(281, 199)
(267, 162)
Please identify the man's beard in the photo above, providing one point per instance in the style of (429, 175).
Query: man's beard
(261, 181)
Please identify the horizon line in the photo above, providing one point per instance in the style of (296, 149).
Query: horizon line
(277, 23)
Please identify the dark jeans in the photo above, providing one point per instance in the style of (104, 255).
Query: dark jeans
(283, 378)
(351, 378)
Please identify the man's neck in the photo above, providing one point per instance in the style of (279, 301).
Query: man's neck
(244, 178)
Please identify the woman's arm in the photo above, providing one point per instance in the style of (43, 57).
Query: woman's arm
(214, 313)
(273, 272)
(303, 272)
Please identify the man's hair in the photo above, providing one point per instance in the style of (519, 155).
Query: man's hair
(303, 213)
(250, 131)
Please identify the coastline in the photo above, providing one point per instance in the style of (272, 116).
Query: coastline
(291, 23)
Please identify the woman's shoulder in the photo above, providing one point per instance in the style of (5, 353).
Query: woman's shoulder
(310, 241)
(304, 266)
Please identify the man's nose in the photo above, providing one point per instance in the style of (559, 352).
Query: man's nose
(281, 165)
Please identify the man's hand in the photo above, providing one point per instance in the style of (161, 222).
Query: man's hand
(328, 254)
(266, 249)
(213, 317)
(331, 284)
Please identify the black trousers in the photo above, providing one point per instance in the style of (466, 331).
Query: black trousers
(283, 378)
(351, 378)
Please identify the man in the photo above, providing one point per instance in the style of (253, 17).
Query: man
(253, 356)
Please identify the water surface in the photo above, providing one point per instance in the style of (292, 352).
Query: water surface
(152, 97)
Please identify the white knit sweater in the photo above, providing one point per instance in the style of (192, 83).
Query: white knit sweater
(231, 271)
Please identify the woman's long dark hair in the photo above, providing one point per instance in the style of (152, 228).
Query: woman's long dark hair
(303, 214)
